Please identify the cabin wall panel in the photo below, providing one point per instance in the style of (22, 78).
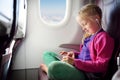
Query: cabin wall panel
(40, 37)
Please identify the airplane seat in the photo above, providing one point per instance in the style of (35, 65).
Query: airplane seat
(6, 61)
(3, 39)
(3, 36)
(116, 76)
(4, 66)
(3, 44)
(9, 41)
(111, 18)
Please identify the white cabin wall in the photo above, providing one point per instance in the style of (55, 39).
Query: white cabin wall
(40, 37)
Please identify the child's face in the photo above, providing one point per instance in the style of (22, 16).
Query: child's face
(88, 25)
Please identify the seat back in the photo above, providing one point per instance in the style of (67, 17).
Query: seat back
(6, 58)
(112, 68)
(111, 23)
(6, 61)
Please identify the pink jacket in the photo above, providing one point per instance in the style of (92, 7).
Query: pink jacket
(101, 49)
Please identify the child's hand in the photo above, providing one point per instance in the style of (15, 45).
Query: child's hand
(69, 58)
(63, 53)
(71, 54)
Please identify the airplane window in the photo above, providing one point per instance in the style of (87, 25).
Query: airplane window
(52, 11)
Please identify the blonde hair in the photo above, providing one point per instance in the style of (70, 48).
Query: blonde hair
(85, 35)
(89, 11)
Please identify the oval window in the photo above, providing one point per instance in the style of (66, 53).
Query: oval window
(52, 11)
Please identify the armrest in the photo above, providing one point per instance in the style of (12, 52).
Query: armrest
(6, 61)
(6, 58)
(116, 75)
(70, 46)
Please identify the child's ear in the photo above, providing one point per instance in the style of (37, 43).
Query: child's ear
(97, 17)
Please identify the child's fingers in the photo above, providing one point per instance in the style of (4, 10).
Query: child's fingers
(63, 52)
(71, 54)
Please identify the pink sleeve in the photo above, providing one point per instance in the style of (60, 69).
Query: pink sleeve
(104, 46)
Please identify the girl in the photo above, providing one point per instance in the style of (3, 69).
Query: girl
(94, 55)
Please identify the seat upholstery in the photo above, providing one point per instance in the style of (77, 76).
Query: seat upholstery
(111, 23)
(111, 17)
(116, 75)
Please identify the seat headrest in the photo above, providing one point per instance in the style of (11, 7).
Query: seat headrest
(111, 17)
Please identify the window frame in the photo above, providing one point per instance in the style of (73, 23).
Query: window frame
(65, 19)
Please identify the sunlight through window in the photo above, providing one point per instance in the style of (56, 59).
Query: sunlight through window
(52, 11)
